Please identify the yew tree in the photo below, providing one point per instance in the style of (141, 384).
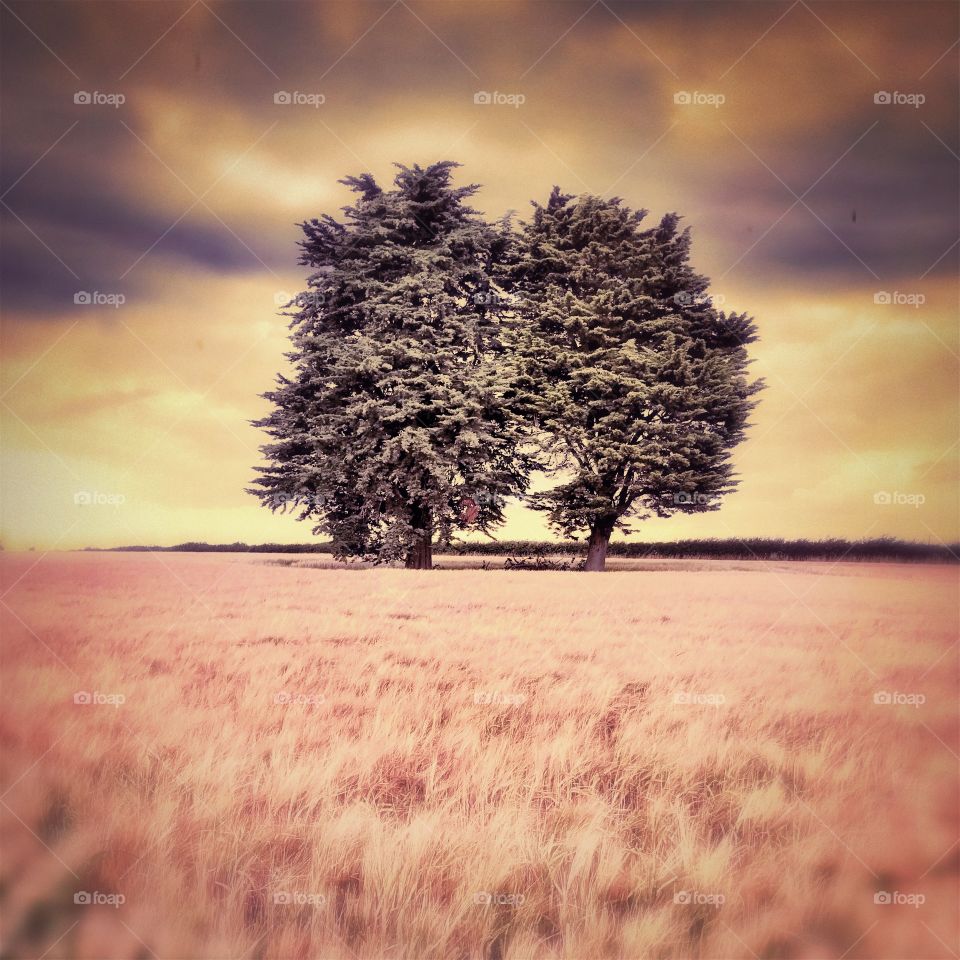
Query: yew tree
(396, 426)
(637, 384)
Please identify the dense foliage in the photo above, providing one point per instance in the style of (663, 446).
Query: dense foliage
(397, 426)
(636, 382)
(438, 359)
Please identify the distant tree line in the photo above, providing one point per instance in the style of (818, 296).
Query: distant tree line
(879, 549)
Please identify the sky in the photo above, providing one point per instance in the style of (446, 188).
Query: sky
(157, 157)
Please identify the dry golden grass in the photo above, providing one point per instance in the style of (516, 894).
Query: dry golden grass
(660, 764)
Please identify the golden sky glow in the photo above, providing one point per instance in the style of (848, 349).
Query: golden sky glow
(809, 202)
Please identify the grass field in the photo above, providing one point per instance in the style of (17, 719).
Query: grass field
(679, 760)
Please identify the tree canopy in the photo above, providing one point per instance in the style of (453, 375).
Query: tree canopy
(635, 382)
(437, 359)
(398, 411)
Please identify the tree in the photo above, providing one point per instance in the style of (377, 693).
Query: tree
(396, 427)
(636, 382)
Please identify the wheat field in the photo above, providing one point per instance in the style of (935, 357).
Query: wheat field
(225, 756)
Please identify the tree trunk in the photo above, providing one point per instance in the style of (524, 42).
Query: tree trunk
(597, 548)
(420, 554)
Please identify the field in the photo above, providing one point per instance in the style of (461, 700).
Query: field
(234, 756)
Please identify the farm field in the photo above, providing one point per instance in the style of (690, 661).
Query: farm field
(238, 755)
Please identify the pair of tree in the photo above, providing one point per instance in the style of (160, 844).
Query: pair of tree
(438, 360)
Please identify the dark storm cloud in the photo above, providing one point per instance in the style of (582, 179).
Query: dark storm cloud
(798, 100)
(882, 211)
(87, 232)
